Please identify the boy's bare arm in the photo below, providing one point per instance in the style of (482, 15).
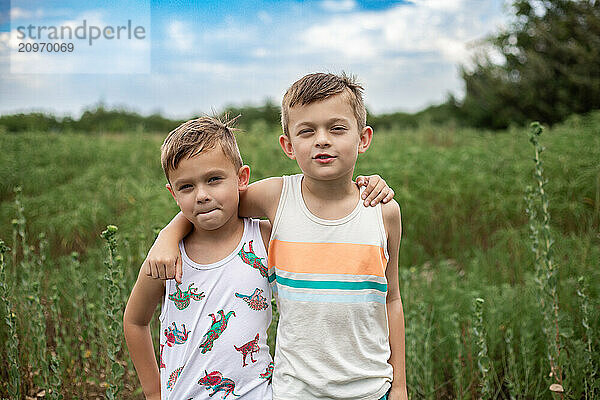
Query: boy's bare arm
(163, 260)
(393, 226)
(142, 303)
(260, 199)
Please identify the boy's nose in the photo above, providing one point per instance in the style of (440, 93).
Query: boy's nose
(322, 139)
(202, 196)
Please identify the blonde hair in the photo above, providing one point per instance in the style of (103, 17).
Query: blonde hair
(314, 87)
(197, 135)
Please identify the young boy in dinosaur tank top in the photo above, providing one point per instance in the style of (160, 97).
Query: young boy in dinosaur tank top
(333, 264)
(214, 321)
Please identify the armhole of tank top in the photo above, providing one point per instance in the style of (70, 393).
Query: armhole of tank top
(256, 235)
(284, 190)
(165, 304)
(382, 234)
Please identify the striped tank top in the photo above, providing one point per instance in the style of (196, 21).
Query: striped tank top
(329, 280)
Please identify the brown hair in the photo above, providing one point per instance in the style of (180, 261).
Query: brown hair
(194, 136)
(314, 87)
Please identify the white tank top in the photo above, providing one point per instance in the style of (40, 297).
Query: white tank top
(213, 332)
(329, 279)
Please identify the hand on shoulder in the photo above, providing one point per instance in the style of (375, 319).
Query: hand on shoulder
(376, 190)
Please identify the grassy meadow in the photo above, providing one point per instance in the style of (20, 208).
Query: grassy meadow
(466, 235)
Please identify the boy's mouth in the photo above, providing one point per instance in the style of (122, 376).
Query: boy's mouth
(323, 157)
(205, 211)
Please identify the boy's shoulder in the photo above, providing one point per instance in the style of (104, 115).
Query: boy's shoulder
(273, 184)
(391, 216)
(390, 209)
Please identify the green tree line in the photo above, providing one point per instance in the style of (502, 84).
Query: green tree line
(100, 119)
(550, 66)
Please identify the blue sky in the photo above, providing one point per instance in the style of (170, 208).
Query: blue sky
(205, 55)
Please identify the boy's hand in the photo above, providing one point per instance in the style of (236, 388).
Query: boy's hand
(376, 190)
(163, 261)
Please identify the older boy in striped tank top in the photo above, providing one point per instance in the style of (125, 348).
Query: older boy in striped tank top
(333, 264)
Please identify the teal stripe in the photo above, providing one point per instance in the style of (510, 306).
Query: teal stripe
(271, 277)
(342, 285)
(317, 297)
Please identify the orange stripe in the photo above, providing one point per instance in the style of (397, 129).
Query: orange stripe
(327, 258)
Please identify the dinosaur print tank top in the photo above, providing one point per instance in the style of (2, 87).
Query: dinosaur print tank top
(329, 280)
(213, 326)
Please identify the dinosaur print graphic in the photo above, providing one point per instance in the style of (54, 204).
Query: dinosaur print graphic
(268, 374)
(161, 364)
(216, 329)
(176, 336)
(182, 299)
(252, 260)
(217, 383)
(249, 348)
(173, 378)
(255, 300)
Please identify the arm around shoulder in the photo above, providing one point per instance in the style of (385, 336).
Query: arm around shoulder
(261, 198)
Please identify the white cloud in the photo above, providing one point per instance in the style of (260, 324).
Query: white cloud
(445, 5)
(17, 13)
(103, 56)
(180, 36)
(264, 17)
(338, 5)
(260, 52)
(441, 27)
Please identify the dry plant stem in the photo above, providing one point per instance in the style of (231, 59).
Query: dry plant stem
(30, 272)
(483, 360)
(510, 378)
(590, 372)
(544, 262)
(114, 315)
(55, 378)
(12, 345)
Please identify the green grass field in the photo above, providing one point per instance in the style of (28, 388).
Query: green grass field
(465, 235)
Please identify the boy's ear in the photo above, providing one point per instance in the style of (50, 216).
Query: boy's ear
(286, 145)
(168, 186)
(365, 139)
(243, 178)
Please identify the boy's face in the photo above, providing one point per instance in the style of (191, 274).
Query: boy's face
(206, 188)
(324, 138)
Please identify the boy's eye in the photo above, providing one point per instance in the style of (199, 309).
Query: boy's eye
(339, 128)
(214, 179)
(303, 131)
(186, 186)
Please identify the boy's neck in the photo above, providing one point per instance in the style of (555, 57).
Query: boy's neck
(332, 199)
(206, 247)
(336, 189)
